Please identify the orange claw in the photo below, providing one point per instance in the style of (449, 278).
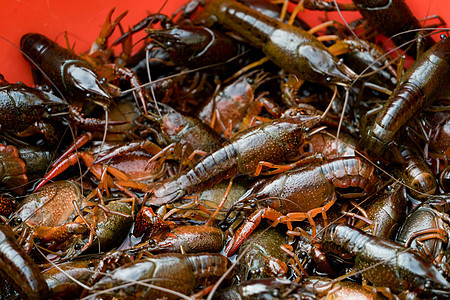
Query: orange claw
(81, 140)
(243, 232)
(96, 169)
(106, 31)
(147, 220)
(147, 146)
(58, 169)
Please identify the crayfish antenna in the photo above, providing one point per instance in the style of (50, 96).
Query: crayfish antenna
(439, 292)
(152, 90)
(347, 92)
(330, 104)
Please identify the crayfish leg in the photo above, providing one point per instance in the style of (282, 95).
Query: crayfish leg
(222, 202)
(142, 93)
(286, 248)
(283, 168)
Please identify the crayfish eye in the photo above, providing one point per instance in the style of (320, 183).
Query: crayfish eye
(428, 284)
(88, 95)
(18, 220)
(152, 243)
(77, 247)
(328, 79)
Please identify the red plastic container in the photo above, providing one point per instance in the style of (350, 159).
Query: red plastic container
(83, 19)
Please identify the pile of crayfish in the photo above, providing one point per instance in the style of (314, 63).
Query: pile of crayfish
(238, 154)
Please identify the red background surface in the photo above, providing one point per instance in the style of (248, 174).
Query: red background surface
(82, 19)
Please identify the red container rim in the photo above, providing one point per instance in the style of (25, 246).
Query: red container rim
(83, 19)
